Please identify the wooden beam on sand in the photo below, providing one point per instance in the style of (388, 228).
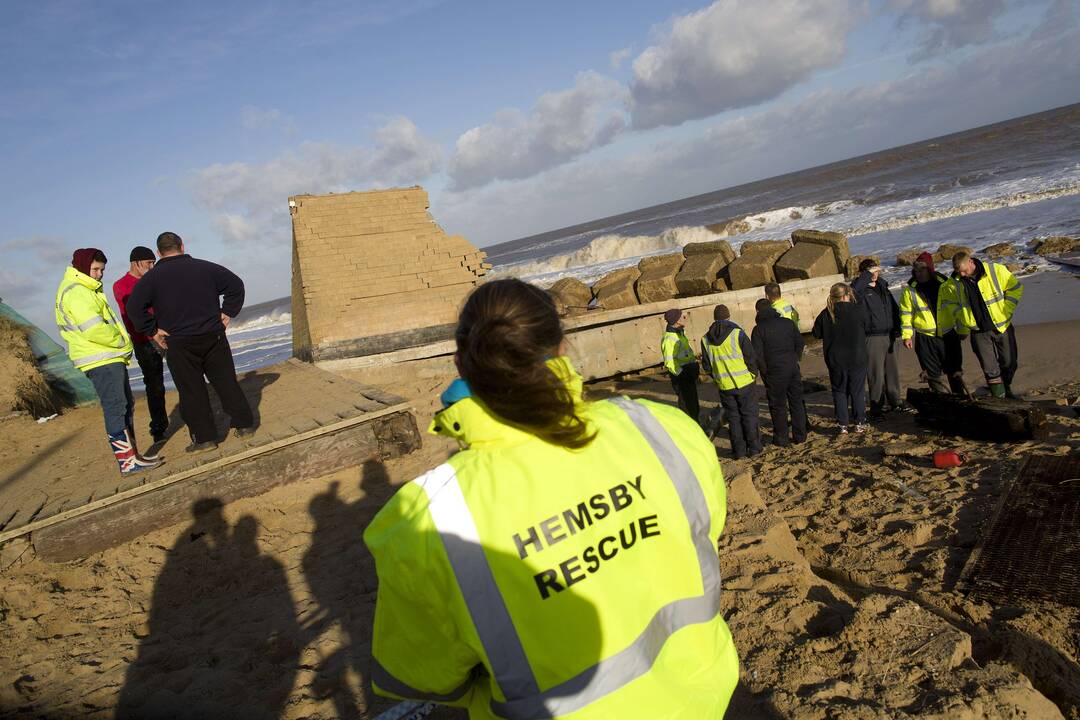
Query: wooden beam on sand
(992, 419)
(112, 520)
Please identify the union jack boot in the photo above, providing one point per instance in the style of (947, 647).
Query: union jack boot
(126, 457)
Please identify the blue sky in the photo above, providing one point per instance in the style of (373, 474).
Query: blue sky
(123, 119)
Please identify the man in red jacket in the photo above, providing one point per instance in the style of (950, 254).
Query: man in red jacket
(146, 353)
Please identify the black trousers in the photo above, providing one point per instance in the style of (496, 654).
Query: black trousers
(742, 415)
(190, 360)
(685, 386)
(997, 354)
(785, 395)
(153, 371)
(940, 358)
(848, 391)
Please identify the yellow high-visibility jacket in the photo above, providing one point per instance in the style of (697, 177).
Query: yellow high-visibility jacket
(787, 310)
(93, 333)
(916, 315)
(1001, 292)
(524, 580)
(727, 364)
(676, 351)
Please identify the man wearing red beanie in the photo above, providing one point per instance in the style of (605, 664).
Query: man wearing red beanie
(100, 347)
(924, 307)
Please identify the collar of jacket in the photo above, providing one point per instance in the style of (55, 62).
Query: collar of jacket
(167, 258)
(473, 424)
(719, 331)
(767, 314)
(676, 330)
(940, 277)
(71, 275)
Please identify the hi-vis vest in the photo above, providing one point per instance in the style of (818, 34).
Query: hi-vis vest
(93, 333)
(786, 310)
(677, 352)
(522, 580)
(726, 362)
(916, 315)
(1000, 291)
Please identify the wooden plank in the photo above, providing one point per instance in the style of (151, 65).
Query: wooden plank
(112, 524)
(218, 465)
(992, 419)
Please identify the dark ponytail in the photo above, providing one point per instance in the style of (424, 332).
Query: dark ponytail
(507, 331)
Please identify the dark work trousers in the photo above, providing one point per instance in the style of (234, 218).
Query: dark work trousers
(114, 391)
(741, 406)
(153, 371)
(848, 389)
(883, 372)
(940, 358)
(785, 394)
(192, 358)
(685, 385)
(996, 353)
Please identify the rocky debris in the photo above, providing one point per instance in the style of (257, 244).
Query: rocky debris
(727, 228)
(944, 254)
(999, 250)
(699, 272)
(657, 280)
(713, 247)
(906, 258)
(834, 240)
(571, 296)
(851, 270)
(805, 261)
(754, 267)
(1056, 245)
(616, 289)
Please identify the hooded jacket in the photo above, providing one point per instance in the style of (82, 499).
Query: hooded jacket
(881, 308)
(718, 333)
(843, 341)
(777, 345)
(94, 334)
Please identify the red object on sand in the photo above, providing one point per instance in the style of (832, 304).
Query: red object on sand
(949, 458)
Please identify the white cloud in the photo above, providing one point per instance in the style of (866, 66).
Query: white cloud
(617, 58)
(737, 53)
(950, 24)
(255, 118)
(249, 201)
(560, 127)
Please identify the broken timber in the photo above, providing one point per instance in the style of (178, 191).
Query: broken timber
(991, 419)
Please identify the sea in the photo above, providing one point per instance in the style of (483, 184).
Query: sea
(1012, 181)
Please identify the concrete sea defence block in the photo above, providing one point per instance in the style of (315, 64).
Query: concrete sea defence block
(999, 250)
(751, 271)
(657, 280)
(837, 241)
(805, 261)
(699, 272)
(771, 249)
(616, 289)
(713, 247)
(1056, 245)
(906, 258)
(571, 295)
(944, 254)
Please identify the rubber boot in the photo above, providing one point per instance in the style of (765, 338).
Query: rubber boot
(135, 447)
(1009, 393)
(126, 457)
(997, 390)
(959, 387)
(939, 385)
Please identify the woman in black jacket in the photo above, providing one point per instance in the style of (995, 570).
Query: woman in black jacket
(842, 326)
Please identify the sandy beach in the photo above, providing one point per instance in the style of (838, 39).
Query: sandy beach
(840, 586)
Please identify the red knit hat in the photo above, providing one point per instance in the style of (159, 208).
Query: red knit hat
(926, 258)
(83, 257)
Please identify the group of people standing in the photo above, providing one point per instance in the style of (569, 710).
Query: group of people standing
(173, 310)
(862, 328)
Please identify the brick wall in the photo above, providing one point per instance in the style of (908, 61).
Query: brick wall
(374, 263)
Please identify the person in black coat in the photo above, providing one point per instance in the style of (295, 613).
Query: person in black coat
(842, 327)
(193, 301)
(882, 338)
(778, 349)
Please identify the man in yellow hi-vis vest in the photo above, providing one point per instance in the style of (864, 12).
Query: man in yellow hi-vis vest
(681, 363)
(728, 356)
(100, 347)
(985, 296)
(925, 310)
(779, 304)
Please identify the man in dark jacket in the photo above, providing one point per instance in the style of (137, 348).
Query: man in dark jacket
(728, 356)
(188, 321)
(883, 369)
(778, 349)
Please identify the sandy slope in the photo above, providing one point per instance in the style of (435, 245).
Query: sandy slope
(839, 590)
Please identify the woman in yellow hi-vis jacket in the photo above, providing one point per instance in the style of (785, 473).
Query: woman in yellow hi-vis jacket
(563, 564)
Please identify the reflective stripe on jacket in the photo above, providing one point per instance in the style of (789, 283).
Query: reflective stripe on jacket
(1001, 292)
(523, 580)
(676, 351)
(93, 333)
(786, 310)
(727, 365)
(916, 315)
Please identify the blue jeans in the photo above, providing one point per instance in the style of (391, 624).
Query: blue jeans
(848, 386)
(114, 391)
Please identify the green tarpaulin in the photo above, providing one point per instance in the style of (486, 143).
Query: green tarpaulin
(53, 362)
